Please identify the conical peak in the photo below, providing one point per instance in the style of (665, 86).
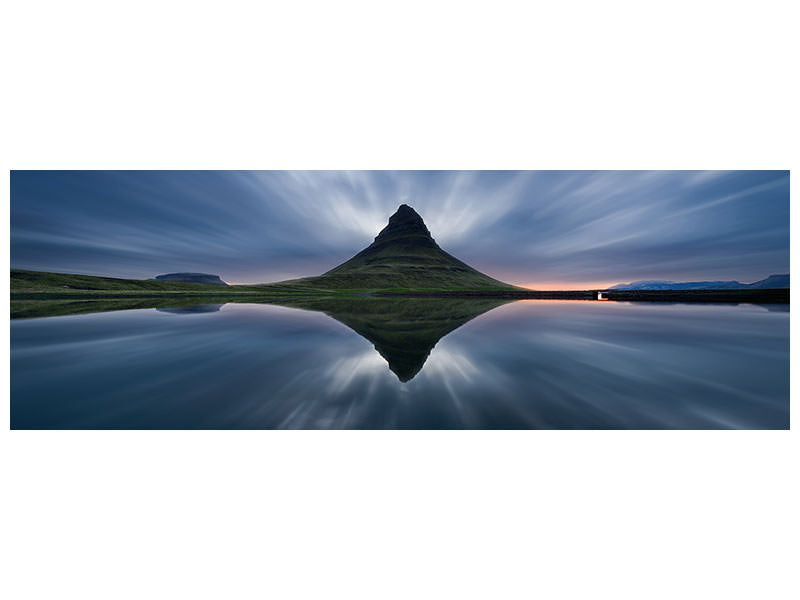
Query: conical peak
(406, 214)
(405, 256)
(404, 222)
(405, 209)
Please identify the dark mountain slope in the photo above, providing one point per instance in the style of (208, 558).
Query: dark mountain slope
(403, 256)
(771, 282)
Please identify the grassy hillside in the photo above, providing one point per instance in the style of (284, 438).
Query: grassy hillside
(71, 285)
(397, 279)
(404, 264)
(403, 256)
(40, 281)
(36, 282)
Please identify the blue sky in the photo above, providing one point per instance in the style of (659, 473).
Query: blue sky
(557, 229)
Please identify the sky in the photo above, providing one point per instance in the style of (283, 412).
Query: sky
(540, 229)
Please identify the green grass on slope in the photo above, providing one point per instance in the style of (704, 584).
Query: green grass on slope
(396, 282)
(41, 281)
(415, 262)
(34, 282)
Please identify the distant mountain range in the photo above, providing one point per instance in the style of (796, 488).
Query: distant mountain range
(771, 282)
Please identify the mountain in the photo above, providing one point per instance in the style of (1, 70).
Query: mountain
(403, 256)
(192, 278)
(771, 282)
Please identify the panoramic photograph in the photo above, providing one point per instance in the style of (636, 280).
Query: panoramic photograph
(399, 300)
(366, 301)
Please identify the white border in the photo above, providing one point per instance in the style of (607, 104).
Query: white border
(399, 514)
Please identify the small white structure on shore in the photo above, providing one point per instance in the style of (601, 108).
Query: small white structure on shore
(600, 296)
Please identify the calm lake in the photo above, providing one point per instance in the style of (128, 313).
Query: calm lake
(405, 363)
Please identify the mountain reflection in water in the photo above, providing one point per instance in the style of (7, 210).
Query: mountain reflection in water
(403, 330)
(516, 364)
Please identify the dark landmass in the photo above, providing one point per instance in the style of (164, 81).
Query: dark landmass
(771, 282)
(32, 305)
(204, 278)
(405, 256)
(39, 294)
(40, 281)
(756, 296)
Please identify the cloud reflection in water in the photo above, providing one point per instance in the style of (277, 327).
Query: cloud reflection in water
(443, 364)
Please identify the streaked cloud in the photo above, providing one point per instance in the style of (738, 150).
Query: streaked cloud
(524, 227)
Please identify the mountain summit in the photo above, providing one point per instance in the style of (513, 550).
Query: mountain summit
(406, 222)
(403, 256)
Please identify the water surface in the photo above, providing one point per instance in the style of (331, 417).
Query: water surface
(405, 363)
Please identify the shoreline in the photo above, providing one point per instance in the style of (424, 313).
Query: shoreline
(780, 296)
(768, 296)
(29, 286)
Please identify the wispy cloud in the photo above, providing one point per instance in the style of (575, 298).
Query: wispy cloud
(521, 226)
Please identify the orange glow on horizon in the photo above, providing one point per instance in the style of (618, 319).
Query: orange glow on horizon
(550, 286)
